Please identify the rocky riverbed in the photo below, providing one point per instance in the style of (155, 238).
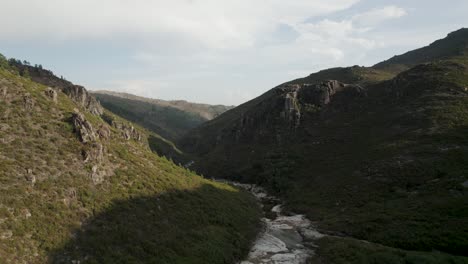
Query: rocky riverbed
(286, 238)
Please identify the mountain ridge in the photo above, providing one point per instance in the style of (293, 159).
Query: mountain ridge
(361, 150)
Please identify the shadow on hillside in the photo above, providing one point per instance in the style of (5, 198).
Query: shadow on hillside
(204, 225)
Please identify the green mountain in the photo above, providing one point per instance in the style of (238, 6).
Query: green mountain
(371, 153)
(81, 185)
(170, 119)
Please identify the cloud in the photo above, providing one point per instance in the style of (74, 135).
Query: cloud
(213, 23)
(378, 15)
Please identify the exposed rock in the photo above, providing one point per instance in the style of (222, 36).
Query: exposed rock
(128, 131)
(292, 111)
(95, 153)
(28, 102)
(104, 132)
(322, 94)
(3, 91)
(82, 97)
(75, 92)
(96, 175)
(83, 127)
(30, 177)
(283, 240)
(51, 93)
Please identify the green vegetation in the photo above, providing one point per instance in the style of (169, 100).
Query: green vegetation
(387, 163)
(136, 207)
(350, 251)
(170, 119)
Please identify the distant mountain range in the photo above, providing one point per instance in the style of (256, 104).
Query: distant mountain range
(373, 153)
(170, 119)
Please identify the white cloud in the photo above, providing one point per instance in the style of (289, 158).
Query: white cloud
(214, 23)
(221, 51)
(378, 15)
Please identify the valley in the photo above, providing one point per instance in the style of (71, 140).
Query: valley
(347, 165)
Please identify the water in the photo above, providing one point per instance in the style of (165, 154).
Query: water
(286, 239)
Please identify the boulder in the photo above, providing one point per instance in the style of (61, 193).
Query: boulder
(3, 91)
(104, 132)
(83, 127)
(51, 94)
(82, 97)
(95, 153)
(97, 176)
(28, 102)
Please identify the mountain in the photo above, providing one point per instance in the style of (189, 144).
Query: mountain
(170, 119)
(371, 153)
(81, 185)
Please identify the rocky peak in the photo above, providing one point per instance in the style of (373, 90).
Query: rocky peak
(77, 93)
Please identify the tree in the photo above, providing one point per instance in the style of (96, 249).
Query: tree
(3, 62)
(25, 73)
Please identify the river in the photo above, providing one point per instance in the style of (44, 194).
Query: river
(286, 238)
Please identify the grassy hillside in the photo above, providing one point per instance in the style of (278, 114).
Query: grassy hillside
(170, 119)
(375, 155)
(76, 187)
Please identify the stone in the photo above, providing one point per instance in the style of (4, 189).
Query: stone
(28, 102)
(95, 153)
(128, 131)
(82, 97)
(97, 176)
(104, 132)
(51, 94)
(83, 127)
(30, 177)
(3, 91)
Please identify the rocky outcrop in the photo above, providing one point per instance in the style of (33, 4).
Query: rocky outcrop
(93, 150)
(322, 94)
(104, 132)
(83, 98)
(77, 93)
(292, 111)
(95, 153)
(127, 131)
(51, 94)
(83, 127)
(28, 102)
(97, 176)
(3, 91)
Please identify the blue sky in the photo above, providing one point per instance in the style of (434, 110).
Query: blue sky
(215, 51)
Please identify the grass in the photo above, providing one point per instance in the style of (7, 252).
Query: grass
(387, 166)
(50, 204)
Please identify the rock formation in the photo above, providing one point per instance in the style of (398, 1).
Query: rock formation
(51, 94)
(77, 93)
(82, 97)
(83, 127)
(28, 102)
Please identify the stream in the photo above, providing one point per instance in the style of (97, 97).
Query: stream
(285, 239)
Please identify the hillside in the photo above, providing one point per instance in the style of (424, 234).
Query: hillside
(81, 185)
(371, 153)
(170, 119)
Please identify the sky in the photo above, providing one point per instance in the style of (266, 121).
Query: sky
(215, 51)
